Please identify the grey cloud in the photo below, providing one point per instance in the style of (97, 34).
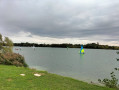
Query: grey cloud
(60, 18)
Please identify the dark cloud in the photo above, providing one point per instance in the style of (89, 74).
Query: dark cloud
(61, 18)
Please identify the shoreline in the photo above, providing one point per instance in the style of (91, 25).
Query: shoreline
(86, 81)
(10, 75)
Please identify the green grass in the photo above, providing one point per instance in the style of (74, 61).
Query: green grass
(10, 79)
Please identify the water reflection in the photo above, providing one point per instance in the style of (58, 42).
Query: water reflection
(81, 56)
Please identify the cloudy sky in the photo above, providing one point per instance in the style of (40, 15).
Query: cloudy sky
(60, 21)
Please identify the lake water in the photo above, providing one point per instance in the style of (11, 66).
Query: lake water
(94, 64)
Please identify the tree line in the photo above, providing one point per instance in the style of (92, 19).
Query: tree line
(67, 45)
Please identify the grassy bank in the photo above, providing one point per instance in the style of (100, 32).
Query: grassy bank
(10, 79)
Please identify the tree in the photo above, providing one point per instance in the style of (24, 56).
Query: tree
(8, 45)
(1, 42)
(0, 37)
(6, 55)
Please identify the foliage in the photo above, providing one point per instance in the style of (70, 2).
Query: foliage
(65, 45)
(117, 60)
(1, 44)
(12, 59)
(113, 82)
(6, 45)
(7, 56)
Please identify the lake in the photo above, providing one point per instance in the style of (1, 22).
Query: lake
(94, 64)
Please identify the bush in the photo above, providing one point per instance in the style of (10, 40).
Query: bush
(111, 83)
(12, 59)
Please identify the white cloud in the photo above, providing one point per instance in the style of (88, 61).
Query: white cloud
(24, 37)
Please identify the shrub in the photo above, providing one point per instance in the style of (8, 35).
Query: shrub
(12, 59)
(111, 83)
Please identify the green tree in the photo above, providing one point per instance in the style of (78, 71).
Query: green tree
(1, 42)
(0, 37)
(8, 45)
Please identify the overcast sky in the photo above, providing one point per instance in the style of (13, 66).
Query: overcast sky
(60, 21)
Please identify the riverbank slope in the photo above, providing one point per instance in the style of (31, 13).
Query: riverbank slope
(10, 79)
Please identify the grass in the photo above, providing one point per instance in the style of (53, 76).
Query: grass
(10, 79)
